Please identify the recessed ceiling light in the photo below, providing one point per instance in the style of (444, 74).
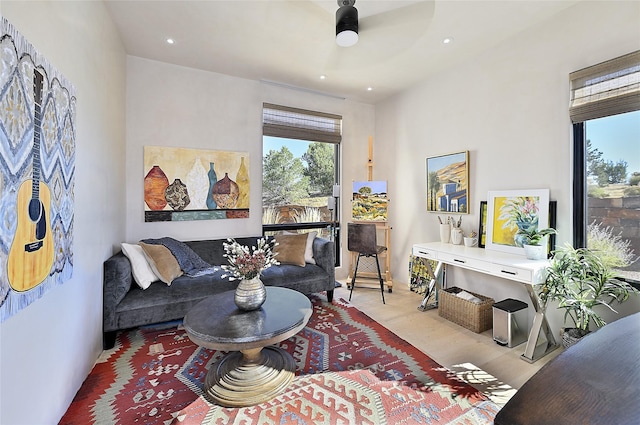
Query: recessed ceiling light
(170, 41)
(447, 40)
(369, 88)
(322, 77)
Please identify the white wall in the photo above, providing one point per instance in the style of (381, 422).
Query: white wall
(509, 108)
(169, 105)
(47, 349)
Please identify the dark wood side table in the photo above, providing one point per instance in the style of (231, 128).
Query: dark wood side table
(595, 381)
(254, 371)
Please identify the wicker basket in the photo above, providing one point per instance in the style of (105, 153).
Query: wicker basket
(475, 317)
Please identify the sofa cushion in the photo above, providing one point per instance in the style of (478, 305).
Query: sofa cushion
(290, 249)
(142, 272)
(161, 302)
(309, 279)
(162, 261)
(308, 251)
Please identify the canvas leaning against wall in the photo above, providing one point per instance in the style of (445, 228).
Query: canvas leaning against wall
(37, 158)
(183, 184)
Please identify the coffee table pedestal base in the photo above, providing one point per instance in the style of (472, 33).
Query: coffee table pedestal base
(249, 377)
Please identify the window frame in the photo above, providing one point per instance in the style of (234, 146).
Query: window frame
(605, 89)
(580, 195)
(579, 186)
(307, 126)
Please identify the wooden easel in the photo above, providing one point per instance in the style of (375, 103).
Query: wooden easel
(370, 160)
(382, 226)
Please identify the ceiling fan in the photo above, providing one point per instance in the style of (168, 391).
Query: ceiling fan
(346, 23)
(393, 20)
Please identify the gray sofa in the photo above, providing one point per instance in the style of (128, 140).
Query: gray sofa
(126, 305)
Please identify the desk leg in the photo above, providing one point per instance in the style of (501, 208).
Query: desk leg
(432, 289)
(541, 340)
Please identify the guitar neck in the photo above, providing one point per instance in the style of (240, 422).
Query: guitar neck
(37, 121)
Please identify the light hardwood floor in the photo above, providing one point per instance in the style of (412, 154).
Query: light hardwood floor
(495, 370)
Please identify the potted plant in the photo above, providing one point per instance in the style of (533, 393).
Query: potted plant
(582, 282)
(532, 242)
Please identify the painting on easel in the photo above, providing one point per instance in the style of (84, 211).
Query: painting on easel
(370, 202)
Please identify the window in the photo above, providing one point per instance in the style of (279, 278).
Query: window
(299, 170)
(605, 110)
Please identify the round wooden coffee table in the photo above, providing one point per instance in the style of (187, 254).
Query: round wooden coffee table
(254, 371)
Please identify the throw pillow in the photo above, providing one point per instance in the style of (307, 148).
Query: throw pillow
(308, 250)
(142, 273)
(190, 263)
(162, 261)
(290, 249)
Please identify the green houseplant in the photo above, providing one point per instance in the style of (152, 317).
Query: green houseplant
(532, 239)
(582, 282)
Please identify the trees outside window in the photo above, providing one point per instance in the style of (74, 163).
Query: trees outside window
(284, 181)
(320, 160)
(297, 182)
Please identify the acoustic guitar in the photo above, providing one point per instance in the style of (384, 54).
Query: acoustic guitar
(31, 254)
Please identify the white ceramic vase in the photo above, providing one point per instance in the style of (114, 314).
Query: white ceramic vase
(535, 252)
(445, 233)
(456, 236)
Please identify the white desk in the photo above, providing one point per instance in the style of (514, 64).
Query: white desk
(512, 267)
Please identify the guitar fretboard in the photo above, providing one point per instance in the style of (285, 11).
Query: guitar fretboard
(37, 121)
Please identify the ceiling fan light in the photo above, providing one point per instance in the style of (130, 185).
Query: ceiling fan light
(346, 26)
(346, 38)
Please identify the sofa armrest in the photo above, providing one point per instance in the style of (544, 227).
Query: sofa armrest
(117, 282)
(324, 254)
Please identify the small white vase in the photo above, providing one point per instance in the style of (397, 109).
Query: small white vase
(535, 252)
(456, 236)
(445, 232)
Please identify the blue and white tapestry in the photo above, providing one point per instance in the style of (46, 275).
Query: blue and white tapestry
(37, 159)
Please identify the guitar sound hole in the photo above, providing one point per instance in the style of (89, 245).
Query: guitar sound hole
(35, 209)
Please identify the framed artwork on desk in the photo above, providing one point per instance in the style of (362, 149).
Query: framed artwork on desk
(510, 212)
(482, 225)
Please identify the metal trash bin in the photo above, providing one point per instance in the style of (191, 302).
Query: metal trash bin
(510, 322)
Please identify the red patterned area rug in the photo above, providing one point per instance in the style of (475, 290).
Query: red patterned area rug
(350, 370)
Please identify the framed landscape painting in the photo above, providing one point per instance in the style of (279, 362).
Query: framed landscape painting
(512, 210)
(370, 202)
(448, 183)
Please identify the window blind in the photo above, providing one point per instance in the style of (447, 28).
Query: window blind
(293, 123)
(609, 88)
